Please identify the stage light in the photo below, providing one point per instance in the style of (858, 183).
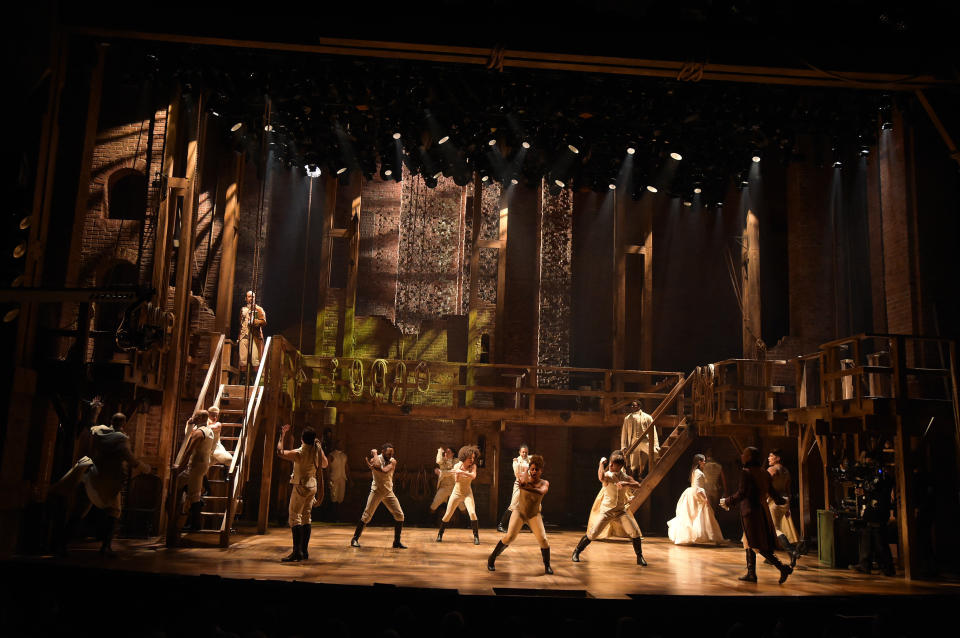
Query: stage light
(525, 144)
(312, 170)
(485, 178)
(837, 164)
(756, 159)
(17, 281)
(214, 114)
(236, 127)
(573, 149)
(651, 188)
(514, 181)
(744, 182)
(11, 315)
(676, 156)
(341, 170)
(719, 204)
(25, 223)
(697, 190)
(268, 128)
(559, 183)
(631, 150)
(612, 186)
(388, 172)
(864, 151)
(20, 250)
(688, 204)
(492, 141)
(396, 136)
(443, 139)
(438, 175)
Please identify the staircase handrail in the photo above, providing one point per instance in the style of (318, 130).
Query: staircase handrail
(213, 371)
(249, 409)
(666, 403)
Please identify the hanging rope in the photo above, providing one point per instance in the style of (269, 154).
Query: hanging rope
(378, 380)
(422, 375)
(398, 390)
(356, 378)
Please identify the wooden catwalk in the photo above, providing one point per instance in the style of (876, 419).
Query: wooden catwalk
(607, 568)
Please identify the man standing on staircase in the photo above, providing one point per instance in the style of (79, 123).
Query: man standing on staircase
(308, 459)
(381, 467)
(252, 320)
(198, 454)
(634, 425)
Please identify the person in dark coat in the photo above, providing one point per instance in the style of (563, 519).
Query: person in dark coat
(758, 527)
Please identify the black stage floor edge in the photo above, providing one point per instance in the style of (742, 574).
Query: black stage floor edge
(56, 600)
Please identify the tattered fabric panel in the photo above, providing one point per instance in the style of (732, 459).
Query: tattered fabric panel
(555, 282)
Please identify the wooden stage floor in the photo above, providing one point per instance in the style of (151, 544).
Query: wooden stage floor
(606, 570)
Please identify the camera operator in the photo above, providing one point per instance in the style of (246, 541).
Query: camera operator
(875, 486)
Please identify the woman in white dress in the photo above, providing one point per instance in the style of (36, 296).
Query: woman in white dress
(695, 522)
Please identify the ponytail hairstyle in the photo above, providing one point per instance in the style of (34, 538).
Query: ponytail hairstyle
(697, 458)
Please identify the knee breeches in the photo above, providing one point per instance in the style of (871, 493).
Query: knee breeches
(535, 524)
(388, 499)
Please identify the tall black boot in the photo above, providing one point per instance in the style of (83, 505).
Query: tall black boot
(582, 545)
(355, 541)
(194, 517)
(109, 526)
(305, 540)
(397, 528)
(493, 556)
(443, 526)
(790, 548)
(475, 524)
(295, 556)
(504, 521)
(785, 570)
(751, 575)
(545, 553)
(638, 550)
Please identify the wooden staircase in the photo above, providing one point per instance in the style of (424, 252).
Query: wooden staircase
(670, 450)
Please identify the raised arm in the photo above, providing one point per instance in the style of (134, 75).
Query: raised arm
(600, 471)
(472, 472)
(323, 458)
(541, 488)
(286, 455)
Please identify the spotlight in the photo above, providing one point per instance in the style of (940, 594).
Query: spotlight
(388, 172)
(11, 315)
(573, 149)
(443, 139)
(492, 141)
(214, 114)
(396, 136)
(612, 186)
(268, 128)
(719, 204)
(886, 126)
(697, 190)
(744, 182)
(559, 183)
(525, 144)
(514, 181)
(676, 156)
(651, 188)
(20, 250)
(756, 159)
(341, 170)
(25, 223)
(688, 204)
(837, 164)
(631, 150)
(312, 170)
(437, 175)
(864, 151)
(484, 178)
(236, 127)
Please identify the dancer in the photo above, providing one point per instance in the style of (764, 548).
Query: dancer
(252, 320)
(339, 475)
(527, 511)
(716, 483)
(198, 454)
(758, 529)
(446, 479)
(307, 460)
(695, 522)
(220, 454)
(520, 465)
(381, 467)
(464, 472)
(614, 506)
(634, 424)
(786, 532)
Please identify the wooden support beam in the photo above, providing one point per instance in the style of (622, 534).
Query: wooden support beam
(906, 523)
(229, 238)
(176, 359)
(646, 302)
(326, 256)
(802, 479)
(272, 389)
(619, 340)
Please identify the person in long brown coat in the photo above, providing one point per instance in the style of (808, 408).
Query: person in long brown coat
(758, 527)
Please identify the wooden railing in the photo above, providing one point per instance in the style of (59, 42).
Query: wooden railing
(675, 396)
(455, 385)
(239, 466)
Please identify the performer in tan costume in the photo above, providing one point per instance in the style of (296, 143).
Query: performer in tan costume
(520, 465)
(464, 472)
(199, 453)
(252, 320)
(633, 426)
(786, 532)
(307, 460)
(527, 511)
(381, 467)
(614, 507)
(446, 479)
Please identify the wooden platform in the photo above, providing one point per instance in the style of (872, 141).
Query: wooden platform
(458, 564)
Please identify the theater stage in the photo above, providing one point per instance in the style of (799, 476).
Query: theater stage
(606, 570)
